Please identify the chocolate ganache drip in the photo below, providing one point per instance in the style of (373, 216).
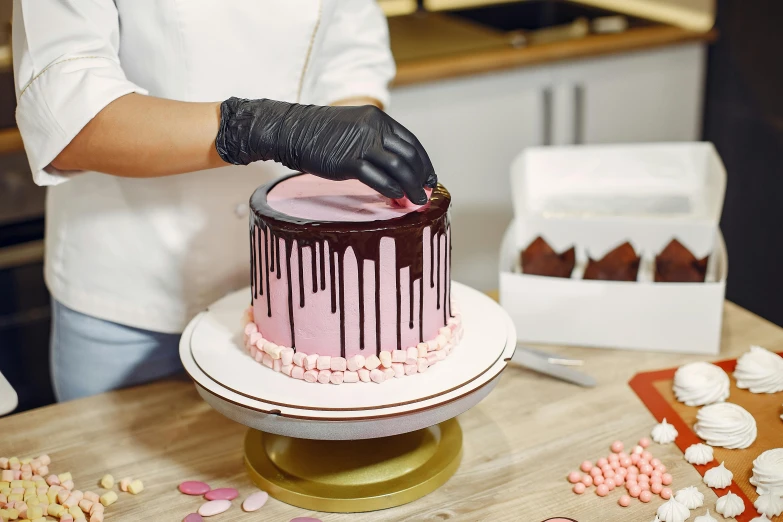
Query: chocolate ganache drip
(274, 234)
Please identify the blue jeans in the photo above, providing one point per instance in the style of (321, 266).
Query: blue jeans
(91, 356)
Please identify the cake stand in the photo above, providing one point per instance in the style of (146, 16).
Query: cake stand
(353, 447)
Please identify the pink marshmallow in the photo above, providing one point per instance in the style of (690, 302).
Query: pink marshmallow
(432, 358)
(364, 374)
(267, 360)
(324, 362)
(277, 365)
(324, 376)
(354, 363)
(398, 356)
(410, 369)
(337, 377)
(287, 356)
(7, 475)
(377, 375)
(338, 364)
(259, 355)
(250, 329)
(411, 355)
(422, 364)
(299, 358)
(389, 373)
(386, 359)
(399, 370)
(297, 372)
(422, 349)
(287, 369)
(311, 375)
(311, 361)
(350, 376)
(372, 362)
(441, 355)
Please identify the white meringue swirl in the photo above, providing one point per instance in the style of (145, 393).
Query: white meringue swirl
(690, 497)
(701, 383)
(760, 518)
(730, 505)
(726, 425)
(768, 472)
(769, 504)
(699, 454)
(718, 477)
(759, 371)
(706, 517)
(664, 433)
(673, 511)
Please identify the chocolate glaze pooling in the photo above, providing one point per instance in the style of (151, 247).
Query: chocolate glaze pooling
(333, 238)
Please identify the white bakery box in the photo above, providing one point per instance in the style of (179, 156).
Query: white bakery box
(595, 198)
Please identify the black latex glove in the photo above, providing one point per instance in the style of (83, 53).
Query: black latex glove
(335, 143)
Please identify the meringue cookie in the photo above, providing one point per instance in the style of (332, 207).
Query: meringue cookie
(730, 505)
(664, 433)
(768, 472)
(726, 425)
(759, 371)
(673, 511)
(760, 518)
(701, 383)
(769, 504)
(705, 518)
(699, 454)
(690, 497)
(718, 477)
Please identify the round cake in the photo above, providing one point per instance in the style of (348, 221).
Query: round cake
(340, 272)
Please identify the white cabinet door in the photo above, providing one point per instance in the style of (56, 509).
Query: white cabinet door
(634, 97)
(472, 128)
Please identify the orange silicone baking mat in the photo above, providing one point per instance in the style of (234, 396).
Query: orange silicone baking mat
(655, 391)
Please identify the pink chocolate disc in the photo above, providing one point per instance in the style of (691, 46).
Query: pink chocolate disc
(222, 494)
(193, 517)
(194, 487)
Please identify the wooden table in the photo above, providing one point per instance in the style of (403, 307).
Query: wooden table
(519, 443)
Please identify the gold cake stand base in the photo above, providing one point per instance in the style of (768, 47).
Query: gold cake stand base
(350, 476)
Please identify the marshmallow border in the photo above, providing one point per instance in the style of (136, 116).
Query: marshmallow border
(325, 369)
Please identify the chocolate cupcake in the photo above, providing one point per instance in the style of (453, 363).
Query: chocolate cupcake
(621, 264)
(540, 259)
(677, 264)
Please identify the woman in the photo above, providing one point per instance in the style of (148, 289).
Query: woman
(119, 109)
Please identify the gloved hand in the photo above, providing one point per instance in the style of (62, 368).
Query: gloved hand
(335, 143)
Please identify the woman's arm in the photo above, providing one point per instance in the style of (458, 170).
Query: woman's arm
(142, 136)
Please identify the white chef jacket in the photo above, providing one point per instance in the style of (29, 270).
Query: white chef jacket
(151, 253)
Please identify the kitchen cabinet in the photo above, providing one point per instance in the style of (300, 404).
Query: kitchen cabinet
(473, 126)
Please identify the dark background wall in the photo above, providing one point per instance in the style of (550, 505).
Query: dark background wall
(744, 119)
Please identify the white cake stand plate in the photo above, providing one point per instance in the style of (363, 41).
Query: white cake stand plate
(213, 354)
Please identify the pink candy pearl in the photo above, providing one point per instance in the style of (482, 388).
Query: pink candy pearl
(646, 455)
(638, 450)
(602, 462)
(656, 487)
(635, 458)
(656, 475)
(615, 465)
(660, 468)
(646, 469)
(602, 490)
(586, 466)
(644, 486)
(645, 496)
(610, 484)
(643, 479)
(614, 457)
(579, 488)
(644, 442)
(617, 446)
(633, 469)
(595, 472)
(598, 480)
(655, 463)
(666, 479)
(621, 471)
(618, 480)
(624, 501)
(574, 477)
(666, 493)
(635, 491)
(609, 474)
(622, 455)
(626, 462)
(587, 480)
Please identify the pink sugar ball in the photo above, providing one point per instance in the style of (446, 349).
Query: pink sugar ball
(645, 486)
(598, 480)
(638, 450)
(655, 462)
(613, 457)
(644, 442)
(622, 454)
(615, 465)
(609, 474)
(635, 458)
(595, 472)
(625, 462)
(666, 493)
(609, 483)
(579, 488)
(645, 496)
(646, 455)
(660, 468)
(617, 446)
(655, 475)
(656, 487)
(574, 477)
(606, 469)
(619, 480)
(633, 469)
(602, 462)
(643, 479)
(602, 490)
(624, 501)
(587, 480)
(666, 479)
(621, 471)
(586, 466)
(646, 469)
(635, 491)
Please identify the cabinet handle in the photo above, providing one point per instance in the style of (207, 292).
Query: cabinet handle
(547, 116)
(579, 114)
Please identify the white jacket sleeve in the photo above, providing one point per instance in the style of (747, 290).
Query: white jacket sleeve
(67, 69)
(355, 59)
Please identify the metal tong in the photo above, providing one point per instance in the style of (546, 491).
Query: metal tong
(553, 365)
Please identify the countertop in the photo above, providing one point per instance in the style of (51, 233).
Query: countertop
(434, 46)
(519, 443)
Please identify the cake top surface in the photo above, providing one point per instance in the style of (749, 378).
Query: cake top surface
(313, 198)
